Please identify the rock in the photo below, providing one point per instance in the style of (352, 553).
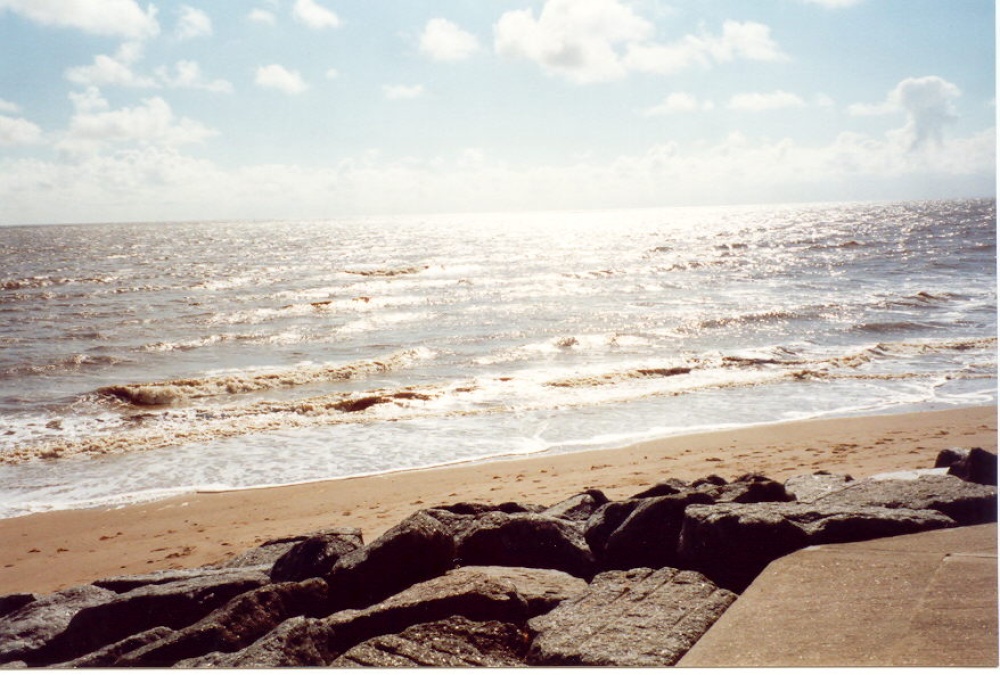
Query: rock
(26, 631)
(476, 593)
(298, 642)
(809, 487)
(709, 480)
(648, 536)
(316, 555)
(732, 543)
(638, 618)
(264, 555)
(949, 456)
(526, 540)
(233, 626)
(671, 486)
(416, 549)
(967, 503)
(456, 642)
(748, 489)
(605, 521)
(978, 466)
(478, 509)
(106, 656)
(15, 601)
(124, 584)
(175, 605)
(577, 508)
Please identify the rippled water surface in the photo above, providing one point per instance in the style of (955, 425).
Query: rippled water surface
(138, 360)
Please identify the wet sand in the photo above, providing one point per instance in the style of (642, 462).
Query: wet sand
(46, 552)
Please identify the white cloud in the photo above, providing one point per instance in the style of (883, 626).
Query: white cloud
(189, 76)
(578, 39)
(115, 70)
(124, 18)
(193, 23)
(927, 102)
(599, 40)
(332, 74)
(18, 131)
(401, 92)
(95, 124)
(314, 15)
(678, 102)
(278, 77)
(443, 40)
(261, 16)
(757, 102)
(9, 107)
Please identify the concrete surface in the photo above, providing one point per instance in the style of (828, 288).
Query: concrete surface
(927, 599)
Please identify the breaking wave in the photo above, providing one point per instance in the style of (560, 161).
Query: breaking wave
(174, 392)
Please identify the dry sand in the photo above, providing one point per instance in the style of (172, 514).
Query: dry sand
(46, 552)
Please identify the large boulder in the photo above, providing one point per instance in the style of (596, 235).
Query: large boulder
(416, 549)
(748, 489)
(108, 655)
(264, 555)
(732, 543)
(126, 583)
(173, 605)
(504, 594)
(639, 618)
(526, 540)
(965, 502)
(577, 508)
(15, 601)
(298, 642)
(315, 556)
(605, 520)
(26, 631)
(648, 536)
(233, 626)
(808, 487)
(977, 466)
(456, 642)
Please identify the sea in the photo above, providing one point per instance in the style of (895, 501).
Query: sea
(144, 360)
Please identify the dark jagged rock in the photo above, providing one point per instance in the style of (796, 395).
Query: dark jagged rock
(416, 549)
(967, 503)
(605, 521)
(733, 543)
(648, 536)
(806, 488)
(107, 656)
(15, 601)
(264, 555)
(709, 480)
(453, 643)
(124, 584)
(949, 456)
(478, 509)
(635, 618)
(316, 555)
(298, 642)
(526, 540)
(476, 593)
(29, 629)
(174, 605)
(233, 626)
(577, 508)
(978, 466)
(748, 489)
(671, 486)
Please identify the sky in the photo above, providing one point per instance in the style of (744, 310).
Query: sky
(126, 110)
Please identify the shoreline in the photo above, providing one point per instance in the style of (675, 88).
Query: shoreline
(50, 551)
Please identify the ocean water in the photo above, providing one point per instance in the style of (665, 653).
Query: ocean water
(141, 360)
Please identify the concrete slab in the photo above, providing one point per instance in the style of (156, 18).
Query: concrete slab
(927, 599)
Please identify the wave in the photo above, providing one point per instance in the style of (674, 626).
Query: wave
(45, 281)
(74, 362)
(388, 272)
(620, 376)
(174, 392)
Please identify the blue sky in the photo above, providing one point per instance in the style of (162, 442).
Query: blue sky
(117, 110)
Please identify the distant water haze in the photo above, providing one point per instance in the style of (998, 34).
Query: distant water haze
(142, 360)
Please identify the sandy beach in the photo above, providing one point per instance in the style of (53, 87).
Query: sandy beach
(49, 551)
